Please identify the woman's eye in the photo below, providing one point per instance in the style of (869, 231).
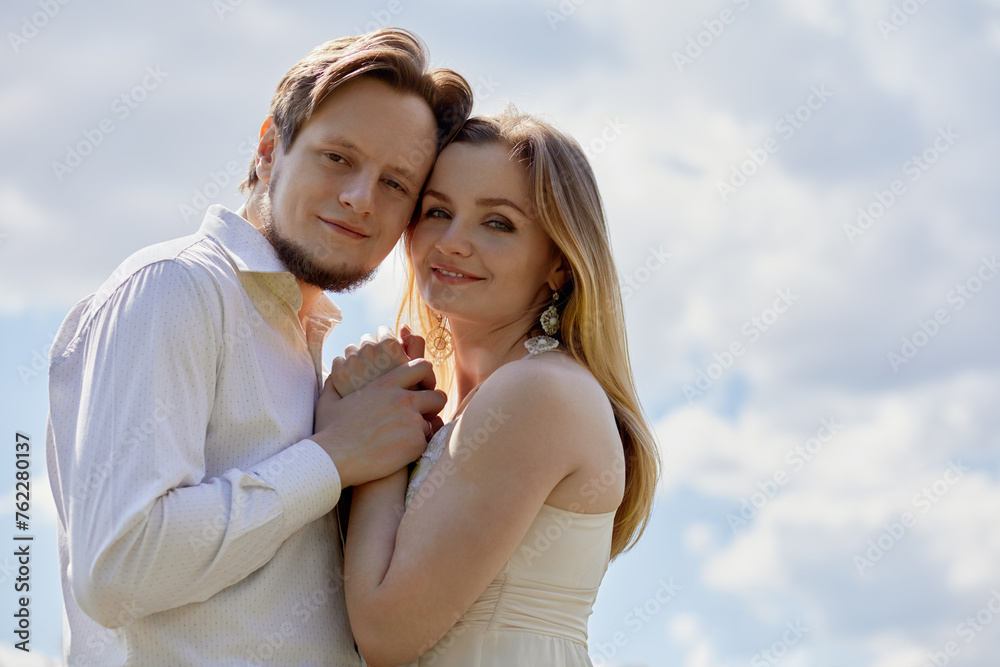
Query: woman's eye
(335, 158)
(439, 213)
(500, 224)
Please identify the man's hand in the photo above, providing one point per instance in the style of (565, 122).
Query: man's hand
(381, 427)
(373, 358)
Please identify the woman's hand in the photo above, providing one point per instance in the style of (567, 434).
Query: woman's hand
(414, 347)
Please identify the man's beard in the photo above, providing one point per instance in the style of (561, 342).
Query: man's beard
(297, 260)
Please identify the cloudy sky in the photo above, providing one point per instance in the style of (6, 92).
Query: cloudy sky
(804, 212)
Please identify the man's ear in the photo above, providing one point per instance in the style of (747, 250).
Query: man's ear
(266, 147)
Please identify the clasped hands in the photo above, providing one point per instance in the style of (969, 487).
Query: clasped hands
(378, 407)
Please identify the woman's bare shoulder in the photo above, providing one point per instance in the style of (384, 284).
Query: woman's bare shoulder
(553, 400)
(548, 370)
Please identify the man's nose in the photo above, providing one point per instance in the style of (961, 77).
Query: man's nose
(358, 194)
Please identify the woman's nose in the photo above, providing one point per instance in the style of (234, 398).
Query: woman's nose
(454, 239)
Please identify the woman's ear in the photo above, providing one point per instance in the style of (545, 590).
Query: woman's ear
(561, 274)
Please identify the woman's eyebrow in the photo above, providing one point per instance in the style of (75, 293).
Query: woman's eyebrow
(500, 201)
(438, 195)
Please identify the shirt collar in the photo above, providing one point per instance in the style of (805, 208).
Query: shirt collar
(243, 242)
(253, 253)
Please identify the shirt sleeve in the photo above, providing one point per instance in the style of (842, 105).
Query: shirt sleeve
(146, 530)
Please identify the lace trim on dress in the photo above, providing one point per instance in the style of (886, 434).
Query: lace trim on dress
(427, 460)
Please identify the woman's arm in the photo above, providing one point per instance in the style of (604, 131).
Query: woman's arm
(409, 580)
(376, 508)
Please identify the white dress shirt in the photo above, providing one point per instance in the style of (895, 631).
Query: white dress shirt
(195, 523)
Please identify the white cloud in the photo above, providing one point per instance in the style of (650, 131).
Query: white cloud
(43, 506)
(825, 15)
(687, 632)
(917, 451)
(19, 215)
(993, 32)
(12, 657)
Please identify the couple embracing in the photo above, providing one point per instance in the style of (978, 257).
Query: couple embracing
(279, 514)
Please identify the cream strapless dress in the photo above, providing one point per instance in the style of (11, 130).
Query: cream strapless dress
(535, 611)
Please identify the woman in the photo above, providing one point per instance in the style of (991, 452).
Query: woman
(548, 467)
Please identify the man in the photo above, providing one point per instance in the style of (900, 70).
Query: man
(193, 480)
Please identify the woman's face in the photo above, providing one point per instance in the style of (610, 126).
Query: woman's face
(477, 252)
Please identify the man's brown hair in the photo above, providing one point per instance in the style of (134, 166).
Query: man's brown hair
(391, 55)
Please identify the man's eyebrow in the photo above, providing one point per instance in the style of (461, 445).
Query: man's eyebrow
(341, 141)
(402, 170)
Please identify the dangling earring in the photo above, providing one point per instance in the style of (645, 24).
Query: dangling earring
(439, 343)
(550, 325)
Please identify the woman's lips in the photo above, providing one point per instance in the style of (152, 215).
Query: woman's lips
(450, 275)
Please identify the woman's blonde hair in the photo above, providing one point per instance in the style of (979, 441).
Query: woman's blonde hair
(567, 206)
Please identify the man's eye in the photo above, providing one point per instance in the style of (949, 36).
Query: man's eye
(335, 158)
(395, 185)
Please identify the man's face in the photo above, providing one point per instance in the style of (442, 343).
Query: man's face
(338, 200)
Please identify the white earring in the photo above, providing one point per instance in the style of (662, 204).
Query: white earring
(550, 325)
